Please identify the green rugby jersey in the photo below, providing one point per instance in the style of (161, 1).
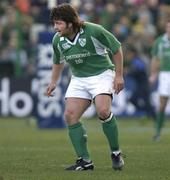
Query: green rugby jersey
(90, 52)
(161, 50)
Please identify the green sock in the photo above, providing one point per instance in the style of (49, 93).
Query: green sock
(111, 131)
(159, 122)
(78, 138)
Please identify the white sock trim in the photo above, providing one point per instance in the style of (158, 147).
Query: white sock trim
(108, 119)
(116, 152)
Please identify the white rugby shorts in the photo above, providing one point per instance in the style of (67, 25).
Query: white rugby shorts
(164, 84)
(90, 87)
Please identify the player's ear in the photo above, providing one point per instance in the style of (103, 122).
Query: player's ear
(70, 25)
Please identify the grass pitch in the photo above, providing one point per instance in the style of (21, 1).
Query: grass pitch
(28, 153)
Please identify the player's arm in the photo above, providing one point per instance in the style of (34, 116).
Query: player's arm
(155, 65)
(155, 62)
(57, 67)
(118, 61)
(56, 71)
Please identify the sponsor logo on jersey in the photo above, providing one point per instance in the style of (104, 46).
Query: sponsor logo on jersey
(77, 56)
(66, 46)
(82, 42)
(61, 38)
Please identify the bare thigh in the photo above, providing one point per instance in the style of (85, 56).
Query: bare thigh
(163, 103)
(74, 109)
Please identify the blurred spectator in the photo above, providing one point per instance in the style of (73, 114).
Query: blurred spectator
(144, 25)
(40, 11)
(12, 54)
(137, 71)
(153, 9)
(23, 5)
(122, 29)
(108, 16)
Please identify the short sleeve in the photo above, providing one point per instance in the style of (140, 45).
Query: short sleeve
(108, 39)
(56, 50)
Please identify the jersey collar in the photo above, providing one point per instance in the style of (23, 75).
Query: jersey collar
(76, 38)
(165, 38)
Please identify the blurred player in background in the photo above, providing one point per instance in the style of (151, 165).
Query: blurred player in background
(161, 63)
(87, 48)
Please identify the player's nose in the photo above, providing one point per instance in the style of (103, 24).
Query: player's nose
(55, 27)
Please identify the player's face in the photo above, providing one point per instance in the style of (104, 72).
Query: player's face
(168, 28)
(61, 27)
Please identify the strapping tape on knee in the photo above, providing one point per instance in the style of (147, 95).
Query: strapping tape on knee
(108, 119)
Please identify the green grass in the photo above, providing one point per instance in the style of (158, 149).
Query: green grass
(28, 153)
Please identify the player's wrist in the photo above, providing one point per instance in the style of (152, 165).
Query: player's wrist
(53, 84)
(154, 75)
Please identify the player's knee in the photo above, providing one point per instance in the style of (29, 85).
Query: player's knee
(162, 108)
(103, 113)
(69, 116)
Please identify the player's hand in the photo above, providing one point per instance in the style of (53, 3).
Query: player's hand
(50, 89)
(152, 79)
(118, 84)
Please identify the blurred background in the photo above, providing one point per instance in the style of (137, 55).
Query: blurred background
(26, 54)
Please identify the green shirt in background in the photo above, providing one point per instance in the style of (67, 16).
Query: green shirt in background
(161, 50)
(90, 53)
